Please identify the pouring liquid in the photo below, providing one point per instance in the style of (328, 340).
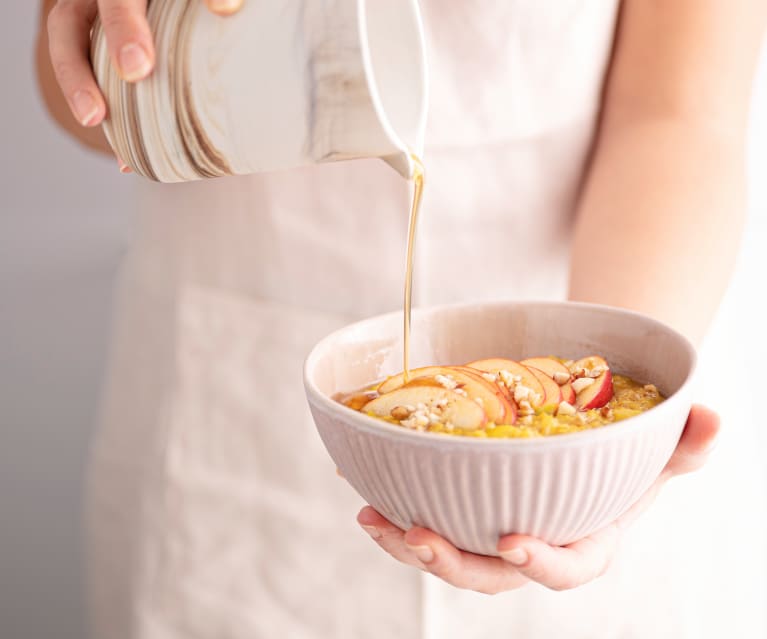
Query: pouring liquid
(418, 178)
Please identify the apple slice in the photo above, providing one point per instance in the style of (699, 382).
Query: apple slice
(568, 394)
(548, 365)
(590, 363)
(514, 368)
(597, 394)
(490, 396)
(397, 381)
(460, 411)
(550, 387)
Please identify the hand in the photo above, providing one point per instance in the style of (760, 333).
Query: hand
(128, 38)
(525, 558)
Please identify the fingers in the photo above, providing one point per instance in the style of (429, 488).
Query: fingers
(128, 37)
(561, 568)
(224, 7)
(388, 536)
(696, 443)
(488, 575)
(424, 549)
(69, 24)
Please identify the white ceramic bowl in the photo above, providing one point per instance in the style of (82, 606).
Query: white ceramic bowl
(471, 490)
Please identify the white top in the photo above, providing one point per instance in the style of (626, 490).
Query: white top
(215, 511)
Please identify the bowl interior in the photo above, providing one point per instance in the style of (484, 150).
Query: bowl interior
(633, 344)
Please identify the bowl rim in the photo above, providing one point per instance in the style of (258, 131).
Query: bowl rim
(378, 427)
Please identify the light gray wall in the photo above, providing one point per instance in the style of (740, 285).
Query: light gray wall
(62, 230)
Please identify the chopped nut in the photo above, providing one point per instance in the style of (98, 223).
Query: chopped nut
(606, 412)
(525, 408)
(461, 392)
(449, 426)
(440, 403)
(400, 412)
(565, 408)
(421, 419)
(581, 383)
(479, 401)
(446, 381)
(582, 417)
(408, 423)
(420, 406)
(527, 420)
(510, 380)
(596, 371)
(521, 393)
(651, 388)
(561, 378)
(434, 418)
(490, 377)
(579, 373)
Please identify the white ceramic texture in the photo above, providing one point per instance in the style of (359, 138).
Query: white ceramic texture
(280, 84)
(470, 490)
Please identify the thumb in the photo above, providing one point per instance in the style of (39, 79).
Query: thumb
(696, 442)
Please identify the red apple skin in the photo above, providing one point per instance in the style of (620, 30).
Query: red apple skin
(598, 394)
(513, 367)
(568, 394)
(550, 387)
(547, 365)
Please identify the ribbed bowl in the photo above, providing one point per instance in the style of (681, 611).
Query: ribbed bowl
(471, 490)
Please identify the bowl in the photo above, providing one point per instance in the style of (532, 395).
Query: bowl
(473, 490)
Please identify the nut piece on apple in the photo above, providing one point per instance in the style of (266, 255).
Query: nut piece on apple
(529, 380)
(465, 381)
(554, 369)
(550, 387)
(593, 365)
(597, 394)
(448, 405)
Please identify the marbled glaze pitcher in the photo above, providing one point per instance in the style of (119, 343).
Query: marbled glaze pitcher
(281, 84)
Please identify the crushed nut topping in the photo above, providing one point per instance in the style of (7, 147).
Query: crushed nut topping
(522, 393)
(525, 408)
(509, 379)
(490, 377)
(561, 378)
(581, 383)
(479, 401)
(446, 381)
(596, 371)
(566, 408)
(461, 392)
(606, 412)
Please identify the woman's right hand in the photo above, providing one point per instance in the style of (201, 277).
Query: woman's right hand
(128, 38)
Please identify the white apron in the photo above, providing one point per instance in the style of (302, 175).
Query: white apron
(215, 512)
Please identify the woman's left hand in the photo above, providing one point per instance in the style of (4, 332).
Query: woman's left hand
(525, 558)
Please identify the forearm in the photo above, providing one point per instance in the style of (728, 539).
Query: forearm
(660, 218)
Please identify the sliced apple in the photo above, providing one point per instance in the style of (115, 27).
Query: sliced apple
(458, 410)
(590, 363)
(597, 394)
(568, 394)
(397, 381)
(490, 396)
(548, 365)
(550, 387)
(514, 368)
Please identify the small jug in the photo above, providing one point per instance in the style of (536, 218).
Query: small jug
(277, 85)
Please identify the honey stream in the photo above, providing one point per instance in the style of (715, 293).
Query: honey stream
(418, 179)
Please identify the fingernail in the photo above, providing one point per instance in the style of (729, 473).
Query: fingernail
(134, 62)
(124, 168)
(85, 107)
(372, 531)
(424, 553)
(516, 556)
(224, 6)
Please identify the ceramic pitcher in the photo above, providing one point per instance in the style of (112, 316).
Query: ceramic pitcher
(281, 84)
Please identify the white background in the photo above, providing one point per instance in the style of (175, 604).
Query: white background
(63, 226)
